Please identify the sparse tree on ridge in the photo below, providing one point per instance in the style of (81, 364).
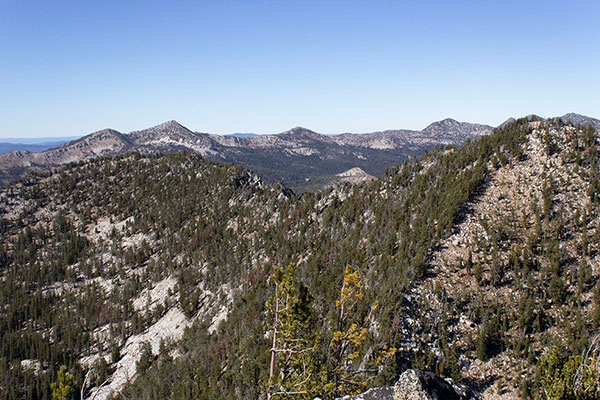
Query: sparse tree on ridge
(292, 369)
(350, 373)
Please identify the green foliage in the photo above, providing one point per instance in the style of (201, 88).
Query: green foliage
(63, 389)
(490, 340)
(102, 371)
(555, 376)
(115, 353)
(217, 233)
(294, 353)
(346, 346)
(145, 359)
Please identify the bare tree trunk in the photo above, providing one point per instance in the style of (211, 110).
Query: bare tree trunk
(85, 381)
(274, 346)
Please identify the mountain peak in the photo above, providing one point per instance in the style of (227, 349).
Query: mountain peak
(582, 120)
(101, 135)
(300, 129)
(452, 128)
(573, 115)
(444, 123)
(448, 121)
(105, 132)
(170, 129)
(508, 121)
(172, 124)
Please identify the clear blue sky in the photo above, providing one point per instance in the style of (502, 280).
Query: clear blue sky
(71, 68)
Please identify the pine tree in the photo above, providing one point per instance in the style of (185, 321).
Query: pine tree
(63, 389)
(293, 369)
(349, 375)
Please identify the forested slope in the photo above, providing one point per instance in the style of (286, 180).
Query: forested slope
(425, 267)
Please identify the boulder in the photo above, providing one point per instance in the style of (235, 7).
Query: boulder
(418, 385)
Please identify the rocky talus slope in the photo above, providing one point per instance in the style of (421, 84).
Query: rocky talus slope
(526, 244)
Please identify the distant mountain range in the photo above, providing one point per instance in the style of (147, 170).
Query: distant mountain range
(32, 144)
(153, 276)
(300, 158)
(242, 134)
(38, 140)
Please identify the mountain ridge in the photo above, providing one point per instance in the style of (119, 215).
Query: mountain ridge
(476, 262)
(303, 157)
(299, 157)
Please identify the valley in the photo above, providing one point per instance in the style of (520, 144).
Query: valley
(299, 158)
(154, 275)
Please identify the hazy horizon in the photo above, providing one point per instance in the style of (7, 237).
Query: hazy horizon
(265, 66)
(42, 139)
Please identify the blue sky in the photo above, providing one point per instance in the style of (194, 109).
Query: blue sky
(71, 68)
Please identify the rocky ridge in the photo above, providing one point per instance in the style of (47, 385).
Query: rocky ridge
(299, 157)
(481, 258)
(353, 176)
(418, 385)
(479, 264)
(119, 254)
